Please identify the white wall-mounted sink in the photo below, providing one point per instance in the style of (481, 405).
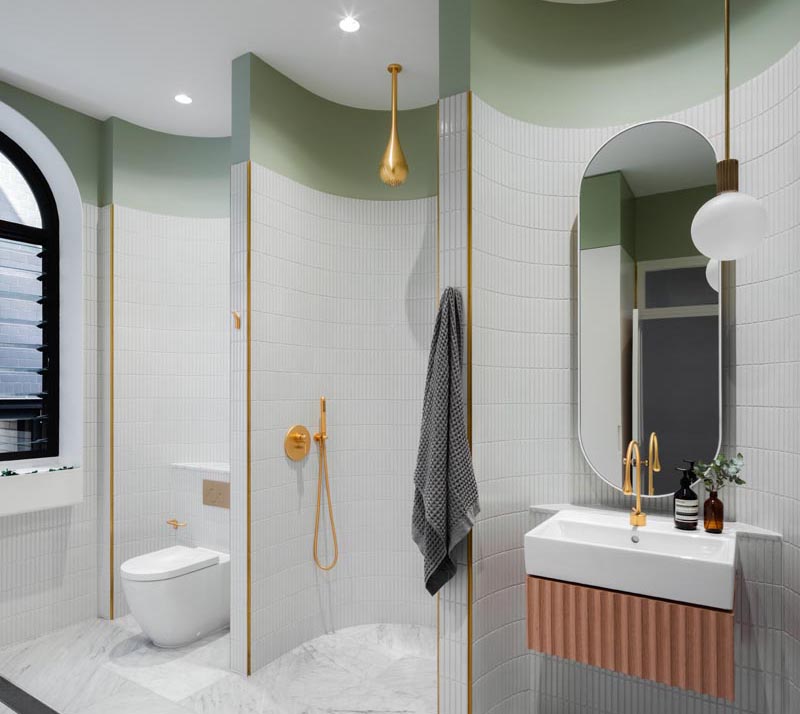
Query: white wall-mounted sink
(601, 549)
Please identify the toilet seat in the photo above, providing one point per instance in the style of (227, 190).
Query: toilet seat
(168, 563)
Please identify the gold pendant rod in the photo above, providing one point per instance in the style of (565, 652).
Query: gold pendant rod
(393, 168)
(727, 79)
(728, 168)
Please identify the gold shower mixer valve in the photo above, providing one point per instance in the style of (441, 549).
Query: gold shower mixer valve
(297, 442)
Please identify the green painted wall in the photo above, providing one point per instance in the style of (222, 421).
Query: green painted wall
(75, 135)
(132, 166)
(328, 146)
(648, 227)
(595, 65)
(164, 173)
(454, 46)
(664, 221)
(607, 213)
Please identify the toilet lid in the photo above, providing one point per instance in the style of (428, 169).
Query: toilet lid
(168, 563)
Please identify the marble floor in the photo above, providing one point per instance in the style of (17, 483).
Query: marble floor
(102, 667)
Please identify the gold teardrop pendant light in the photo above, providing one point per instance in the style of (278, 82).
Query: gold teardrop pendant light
(394, 167)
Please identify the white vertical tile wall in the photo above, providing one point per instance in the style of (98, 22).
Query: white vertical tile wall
(171, 359)
(48, 559)
(103, 362)
(343, 300)
(238, 419)
(206, 526)
(453, 240)
(526, 181)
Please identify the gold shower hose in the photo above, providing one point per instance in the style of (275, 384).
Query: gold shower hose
(321, 438)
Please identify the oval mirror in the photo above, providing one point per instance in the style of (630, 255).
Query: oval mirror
(649, 322)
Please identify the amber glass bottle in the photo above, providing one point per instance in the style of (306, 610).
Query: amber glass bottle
(713, 514)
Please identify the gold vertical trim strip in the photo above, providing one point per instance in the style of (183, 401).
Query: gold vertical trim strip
(469, 389)
(727, 42)
(249, 423)
(438, 293)
(438, 203)
(469, 267)
(438, 657)
(111, 417)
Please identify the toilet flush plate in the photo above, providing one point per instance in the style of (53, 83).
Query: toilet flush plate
(216, 493)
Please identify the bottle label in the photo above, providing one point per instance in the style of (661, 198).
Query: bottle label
(686, 511)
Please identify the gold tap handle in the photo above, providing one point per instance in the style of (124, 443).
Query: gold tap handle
(627, 486)
(653, 463)
(175, 523)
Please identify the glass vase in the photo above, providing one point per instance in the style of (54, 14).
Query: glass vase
(713, 514)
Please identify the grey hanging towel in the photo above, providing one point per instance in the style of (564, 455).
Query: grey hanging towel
(446, 494)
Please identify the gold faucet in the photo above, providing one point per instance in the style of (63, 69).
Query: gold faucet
(633, 458)
(175, 523)
(653, 463)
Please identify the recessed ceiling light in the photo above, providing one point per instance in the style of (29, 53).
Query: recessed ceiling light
(349, 24)
(183, 99)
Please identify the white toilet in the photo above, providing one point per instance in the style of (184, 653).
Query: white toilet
(178, 594)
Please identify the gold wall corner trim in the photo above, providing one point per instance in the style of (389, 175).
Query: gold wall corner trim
(438, 206)
(438, 657)
(249, 422)
(469, 267)
(111, 415)
(469, 390)
(438, 293)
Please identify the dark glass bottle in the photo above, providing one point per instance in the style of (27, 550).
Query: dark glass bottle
(713, 514)
(685, 503)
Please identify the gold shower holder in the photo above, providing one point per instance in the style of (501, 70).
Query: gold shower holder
(297, 442)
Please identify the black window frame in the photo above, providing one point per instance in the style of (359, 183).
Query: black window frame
(48, 238)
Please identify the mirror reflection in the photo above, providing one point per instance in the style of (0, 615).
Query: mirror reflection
(649, 314)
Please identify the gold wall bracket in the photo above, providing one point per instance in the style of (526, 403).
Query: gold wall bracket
(297, 442)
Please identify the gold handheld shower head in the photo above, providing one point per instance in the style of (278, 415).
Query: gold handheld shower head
(323, 419)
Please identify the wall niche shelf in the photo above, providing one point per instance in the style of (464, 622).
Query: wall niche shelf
(40, 491)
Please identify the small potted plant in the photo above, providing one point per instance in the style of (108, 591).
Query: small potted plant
(716, 475)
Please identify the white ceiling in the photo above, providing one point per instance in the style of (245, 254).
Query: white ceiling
(129, 59)
(656, 157)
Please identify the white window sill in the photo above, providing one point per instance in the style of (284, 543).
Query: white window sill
(39, 490)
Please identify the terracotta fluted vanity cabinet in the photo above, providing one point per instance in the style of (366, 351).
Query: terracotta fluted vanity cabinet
(681, 645)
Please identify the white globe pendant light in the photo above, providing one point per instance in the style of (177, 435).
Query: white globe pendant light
(732, 224)
(729, 226)
(712, 274)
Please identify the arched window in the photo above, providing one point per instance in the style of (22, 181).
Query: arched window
(29, 312)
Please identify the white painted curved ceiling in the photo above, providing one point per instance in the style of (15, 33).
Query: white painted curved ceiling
(129, 59)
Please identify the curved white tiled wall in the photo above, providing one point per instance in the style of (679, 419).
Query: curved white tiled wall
(48, 559)
(525, 204)
(343, 300)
